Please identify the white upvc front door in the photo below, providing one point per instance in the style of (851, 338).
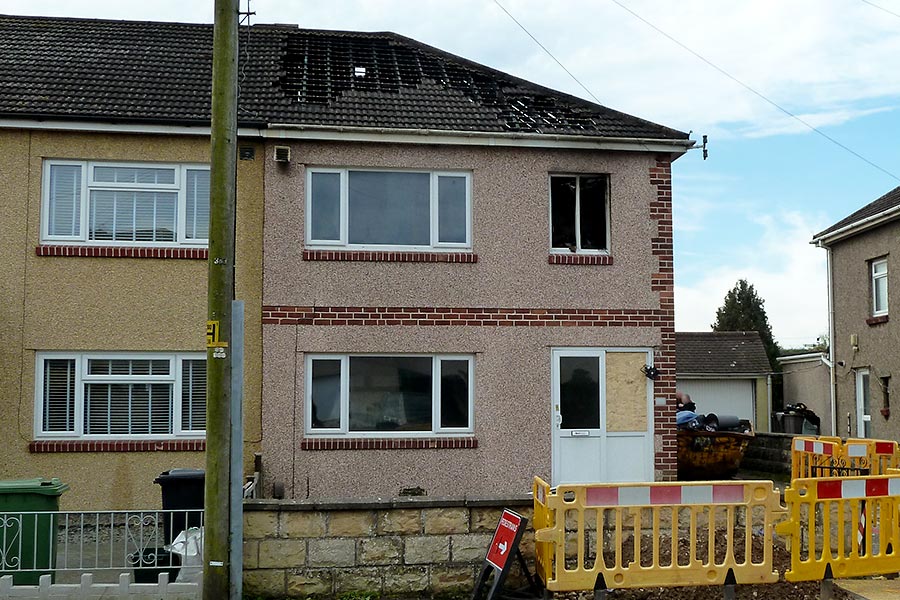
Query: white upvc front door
(602, 415)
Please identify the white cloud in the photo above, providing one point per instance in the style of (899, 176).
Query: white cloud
(787, 272)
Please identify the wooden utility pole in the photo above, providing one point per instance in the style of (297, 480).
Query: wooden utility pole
(217, 561)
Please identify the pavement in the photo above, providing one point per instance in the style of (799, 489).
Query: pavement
(870, 589)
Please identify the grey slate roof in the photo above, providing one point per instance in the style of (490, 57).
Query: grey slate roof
(86, 69)
(720, 353)
(886, 202)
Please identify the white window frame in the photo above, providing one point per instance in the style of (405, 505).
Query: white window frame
(863, 388)
(82, 377)
(435, 246)
(88, 184)
(875, 279)
(344, 431)
(578, 249)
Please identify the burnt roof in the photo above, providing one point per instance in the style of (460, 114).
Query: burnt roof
(886, 202)
(720, 353)
(64, 68)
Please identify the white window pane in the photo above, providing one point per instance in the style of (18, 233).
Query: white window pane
(389, 208)
(452, 209)
(454, 393)
(193, 395)
(390, 393)
(326, 394)
(59, 395)
(128, 408)
(879, 267)
(64, 211)
(196, 225)
(325, 206)
(135, 175)
(881, 294)
(132, 216)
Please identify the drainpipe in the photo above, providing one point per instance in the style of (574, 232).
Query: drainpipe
(831, 340)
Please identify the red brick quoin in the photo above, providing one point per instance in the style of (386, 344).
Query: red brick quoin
(662, 282)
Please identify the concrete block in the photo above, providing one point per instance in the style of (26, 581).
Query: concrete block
(426, 550)
(331, 552)
(310, 582)
(380, 551)
(400, 521)
(351, 523)
(445, 520)
(282, 554)
(303, 524)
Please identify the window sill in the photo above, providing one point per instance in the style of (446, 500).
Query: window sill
(877, 320)
(580, 259)
(390, 256)
(48, 446)
(121, 252)
(332, 443)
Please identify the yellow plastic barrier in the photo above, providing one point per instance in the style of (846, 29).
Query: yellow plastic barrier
(654, 534)
(849, 523)
(832, 457)
(544, 517)
(810, 455)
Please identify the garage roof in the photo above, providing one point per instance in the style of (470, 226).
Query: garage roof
(726, 353)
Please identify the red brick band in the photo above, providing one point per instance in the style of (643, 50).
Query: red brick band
(446, 316)
(43, 446)
(315, 443)
(384, 256)
(580, 259)
(121, 252)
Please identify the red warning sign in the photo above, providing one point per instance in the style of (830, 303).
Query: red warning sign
(504, 539)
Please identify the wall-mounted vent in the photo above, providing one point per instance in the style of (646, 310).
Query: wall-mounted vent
(246, 153)
(283, 154)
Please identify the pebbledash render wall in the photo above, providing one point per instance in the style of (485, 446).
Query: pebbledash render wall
(406, 547)
(507, 302)
(80, 298)
(878, 338)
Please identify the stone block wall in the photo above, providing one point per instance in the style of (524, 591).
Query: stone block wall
(401, 547)
(769, 453)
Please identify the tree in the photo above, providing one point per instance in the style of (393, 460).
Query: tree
(744, 310)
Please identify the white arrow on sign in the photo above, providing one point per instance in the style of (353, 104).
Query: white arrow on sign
(502, 546)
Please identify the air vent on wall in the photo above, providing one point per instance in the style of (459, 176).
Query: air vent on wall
(283, 154)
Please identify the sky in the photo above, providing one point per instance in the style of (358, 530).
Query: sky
(770, 182)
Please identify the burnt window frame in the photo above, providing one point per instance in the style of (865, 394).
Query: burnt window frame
(578, 249)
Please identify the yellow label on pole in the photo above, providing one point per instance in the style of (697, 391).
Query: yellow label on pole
(212, 335)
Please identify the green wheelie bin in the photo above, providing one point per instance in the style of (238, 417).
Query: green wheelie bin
(27, 537)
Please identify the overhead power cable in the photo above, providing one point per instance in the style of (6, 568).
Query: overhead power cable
(550, 54)
(759, 94)
(890, 12)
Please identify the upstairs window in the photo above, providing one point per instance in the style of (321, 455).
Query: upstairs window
(120, 396)
(125, 204)
(879, 287)
(388, 396)
(579, 213)
(388, 209)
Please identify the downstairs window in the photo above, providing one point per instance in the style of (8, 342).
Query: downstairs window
(120, 396)
(390, 395)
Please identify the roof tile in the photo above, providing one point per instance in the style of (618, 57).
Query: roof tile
(160, 72)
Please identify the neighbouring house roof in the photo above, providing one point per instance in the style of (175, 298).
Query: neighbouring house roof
(86, 69)
(805, 357)
(726, 353)
(884, 208)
